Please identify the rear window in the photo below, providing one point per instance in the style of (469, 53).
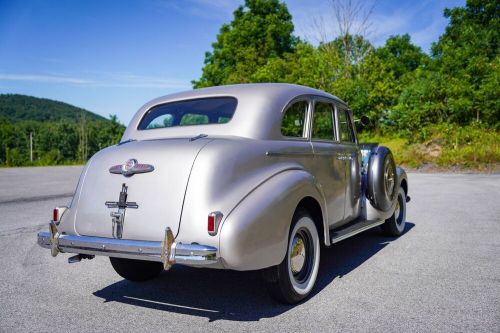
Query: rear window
(188, 113)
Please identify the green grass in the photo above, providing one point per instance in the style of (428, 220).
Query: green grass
(444, 146)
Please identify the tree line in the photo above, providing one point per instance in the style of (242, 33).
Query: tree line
(402, 88)
(29, 142)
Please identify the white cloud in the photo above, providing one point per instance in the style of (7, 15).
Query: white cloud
(225, 6)
(430, 33)
(117, 80)
(43, 78)
(207, 9)
(423, 20)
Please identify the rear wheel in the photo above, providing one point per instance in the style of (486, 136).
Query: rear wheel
(395, 225)
(136, 270)
(293, 279)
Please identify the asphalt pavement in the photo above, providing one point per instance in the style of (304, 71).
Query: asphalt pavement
(442, 275)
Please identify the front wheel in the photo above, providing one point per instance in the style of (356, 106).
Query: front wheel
(293, 279)
(395, 225)
(136, 270)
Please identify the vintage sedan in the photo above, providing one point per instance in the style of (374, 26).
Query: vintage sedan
(241, 177)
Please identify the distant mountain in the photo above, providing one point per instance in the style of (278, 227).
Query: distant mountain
(16, 107)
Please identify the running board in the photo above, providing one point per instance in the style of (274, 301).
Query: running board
(354, 229)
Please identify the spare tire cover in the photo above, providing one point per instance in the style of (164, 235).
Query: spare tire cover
(382, 187)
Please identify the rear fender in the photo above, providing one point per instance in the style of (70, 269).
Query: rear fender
(254, 235)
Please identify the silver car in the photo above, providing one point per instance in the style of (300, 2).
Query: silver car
(242, 177)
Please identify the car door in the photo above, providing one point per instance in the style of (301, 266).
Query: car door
(351, 156)
(328, 168)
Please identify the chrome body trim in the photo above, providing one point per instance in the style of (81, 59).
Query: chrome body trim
(131, 167)
(289, 154)
(185, 254)
(355, 229)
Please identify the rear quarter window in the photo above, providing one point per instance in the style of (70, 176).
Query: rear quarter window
(294, 119)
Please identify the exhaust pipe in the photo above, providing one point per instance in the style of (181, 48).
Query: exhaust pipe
(79, 257)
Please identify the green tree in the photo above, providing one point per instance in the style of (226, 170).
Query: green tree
(304, 66)
(260, 30)
(401, 56)
(421, 103)
(467, 55)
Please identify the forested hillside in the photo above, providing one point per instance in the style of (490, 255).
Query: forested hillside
(39, 131)
(441, 108)
(16, 107)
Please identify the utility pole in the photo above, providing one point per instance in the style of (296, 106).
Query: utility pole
(31, 146)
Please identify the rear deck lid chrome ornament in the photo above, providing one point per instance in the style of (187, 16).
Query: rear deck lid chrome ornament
(131, 167)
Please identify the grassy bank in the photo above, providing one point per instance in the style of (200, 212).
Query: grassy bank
(440, 148)
(444, 147)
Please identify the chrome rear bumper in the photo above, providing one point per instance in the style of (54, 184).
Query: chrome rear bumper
(168, 252)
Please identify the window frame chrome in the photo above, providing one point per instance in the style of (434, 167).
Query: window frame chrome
(321, 99)
(305, 128)
(348, 112)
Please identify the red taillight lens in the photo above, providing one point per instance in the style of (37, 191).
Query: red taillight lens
(211, 224)
(214, 220)
(55, 215)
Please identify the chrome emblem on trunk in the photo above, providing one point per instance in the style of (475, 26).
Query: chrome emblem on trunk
(118, 218)
(131, 167)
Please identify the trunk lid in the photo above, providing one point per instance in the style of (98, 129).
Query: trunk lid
(159, 194)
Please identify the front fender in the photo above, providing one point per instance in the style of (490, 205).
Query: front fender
(255, 233)
(402, 179)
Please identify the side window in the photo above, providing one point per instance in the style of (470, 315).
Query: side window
(323, 122)
(346, 133)
(293, 121)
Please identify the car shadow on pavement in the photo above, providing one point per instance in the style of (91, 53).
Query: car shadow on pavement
(238, 296)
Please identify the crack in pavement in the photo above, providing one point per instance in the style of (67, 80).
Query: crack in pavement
(36, 198)
(23, 230)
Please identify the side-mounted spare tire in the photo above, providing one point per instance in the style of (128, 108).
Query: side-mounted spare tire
(381, 187)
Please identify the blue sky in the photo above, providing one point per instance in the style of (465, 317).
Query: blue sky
(111, 57)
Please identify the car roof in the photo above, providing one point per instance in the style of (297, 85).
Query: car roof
(257, 115)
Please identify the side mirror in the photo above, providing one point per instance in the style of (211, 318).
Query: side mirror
(366, 121)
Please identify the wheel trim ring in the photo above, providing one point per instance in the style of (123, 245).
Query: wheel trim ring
(400, 212)
(304, 288)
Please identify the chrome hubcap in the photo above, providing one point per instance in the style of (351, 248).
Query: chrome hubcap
(389, 178)
(398, 209)
(301, 255)
(298, 255)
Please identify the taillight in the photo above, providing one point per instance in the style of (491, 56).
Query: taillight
(57, 213)
(214, 220)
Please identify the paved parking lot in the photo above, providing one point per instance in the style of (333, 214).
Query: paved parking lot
(442, 275)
